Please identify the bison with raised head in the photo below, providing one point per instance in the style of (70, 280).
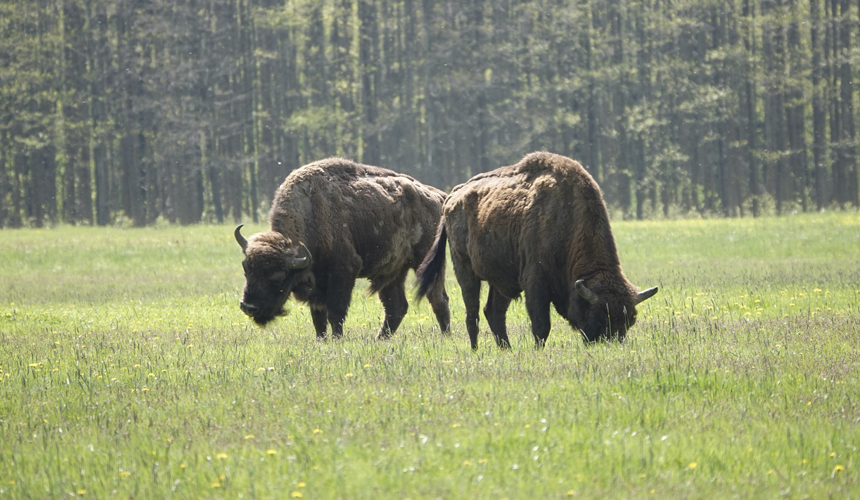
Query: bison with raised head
(332, 222)
(539, 226)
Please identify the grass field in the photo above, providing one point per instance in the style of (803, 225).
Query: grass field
(128, 371)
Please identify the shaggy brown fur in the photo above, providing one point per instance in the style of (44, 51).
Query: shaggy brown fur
(356, 221)
(538, 226)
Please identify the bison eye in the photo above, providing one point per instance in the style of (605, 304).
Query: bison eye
(278, 276)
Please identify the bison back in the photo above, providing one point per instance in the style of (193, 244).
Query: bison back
(544, 211)
(358, 215)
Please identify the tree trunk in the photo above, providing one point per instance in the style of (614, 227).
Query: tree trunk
(819, 117)
(429, 101)
(848, 144)
(368, 60)
(798, 169)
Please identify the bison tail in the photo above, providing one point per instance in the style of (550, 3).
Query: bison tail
(433, 265)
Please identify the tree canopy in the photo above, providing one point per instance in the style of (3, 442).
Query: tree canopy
(196, 110)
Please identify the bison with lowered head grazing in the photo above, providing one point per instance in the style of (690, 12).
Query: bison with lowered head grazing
(539, 226)
(333, 221)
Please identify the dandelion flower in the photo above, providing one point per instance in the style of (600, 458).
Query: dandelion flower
(467, 463)
(692, 465)
(297, 494)
(348, 375)
(82, 491)
(317, 431)
(832, 454)
(301, 484)
(271, 452)
(221, 455)
(249, 436)
(838, 468)
(216, 485)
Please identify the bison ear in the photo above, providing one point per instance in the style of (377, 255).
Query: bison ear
(647, 294)
(585, 293)
(239, 238)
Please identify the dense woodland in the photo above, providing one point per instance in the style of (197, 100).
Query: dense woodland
(133, 111)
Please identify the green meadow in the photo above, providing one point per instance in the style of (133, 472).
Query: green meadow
(128, 371)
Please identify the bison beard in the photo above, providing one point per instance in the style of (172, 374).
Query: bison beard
(334, 221)
(539, 226)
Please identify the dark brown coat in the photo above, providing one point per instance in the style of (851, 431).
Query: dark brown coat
(539, 226)
(333, 221)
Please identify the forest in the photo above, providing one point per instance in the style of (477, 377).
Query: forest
(137, 111)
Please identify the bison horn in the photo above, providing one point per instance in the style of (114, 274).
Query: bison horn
(585, 293)
(239, 238)
(647, 294)
(301, 262)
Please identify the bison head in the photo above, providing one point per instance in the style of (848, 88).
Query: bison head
(603, 310)
(273, 268)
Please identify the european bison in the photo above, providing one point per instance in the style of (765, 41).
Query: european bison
(539, 226)
(333, 221)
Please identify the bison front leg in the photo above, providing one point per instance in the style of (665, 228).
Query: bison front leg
(338, 296)
(394, 301)
(320, 317)
(537, 305)
(495, 311)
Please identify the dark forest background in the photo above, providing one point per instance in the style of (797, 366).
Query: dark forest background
(129, 112)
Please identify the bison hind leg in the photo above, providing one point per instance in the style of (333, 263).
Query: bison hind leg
(470, 286)
(438, 298)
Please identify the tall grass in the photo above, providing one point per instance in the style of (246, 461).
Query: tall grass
(127, 370)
